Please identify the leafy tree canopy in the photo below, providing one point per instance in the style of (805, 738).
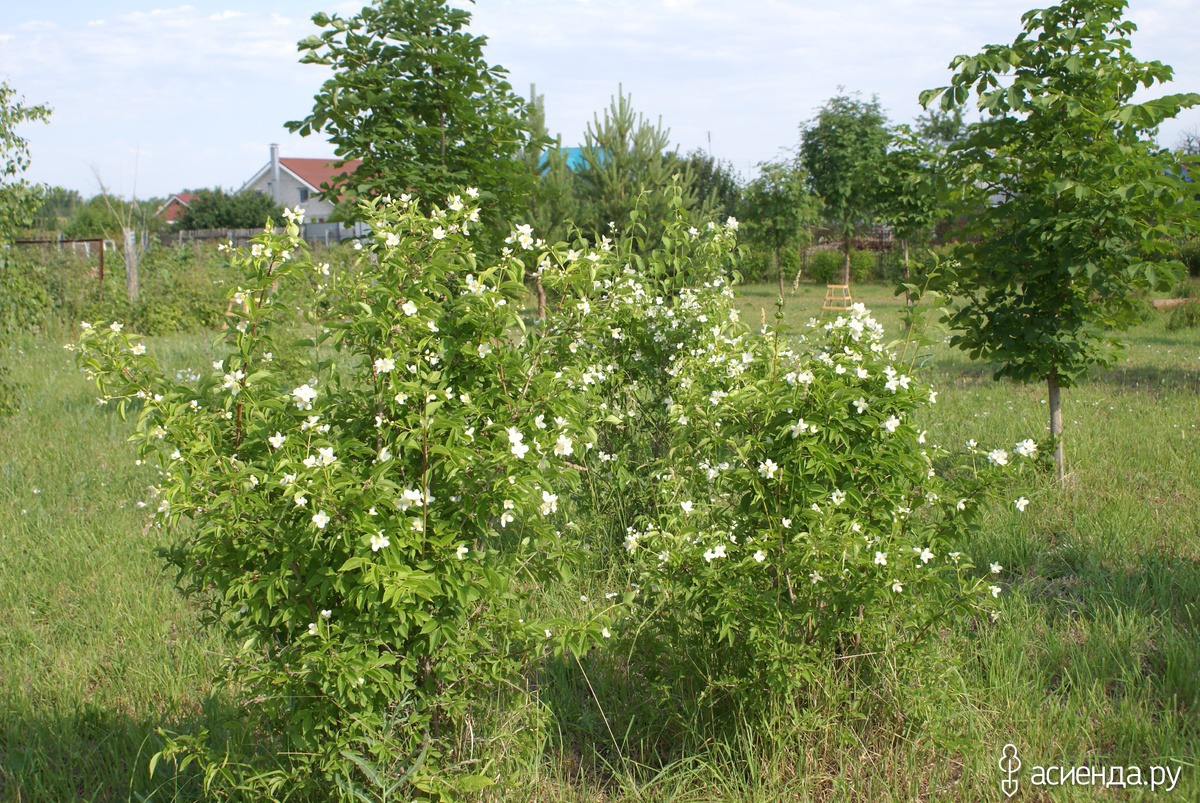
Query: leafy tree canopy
(413, 97)
(218, 209)
(19, 200)
(624, 156)
(842, 150)
(1075, 199)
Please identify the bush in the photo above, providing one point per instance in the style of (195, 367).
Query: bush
(1189, 255)
(755, 265)
(372, 519)
(828, 266)
(1185, 316)
(778, 505)
(396, 501)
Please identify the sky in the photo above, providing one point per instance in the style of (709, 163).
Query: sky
(153, 97)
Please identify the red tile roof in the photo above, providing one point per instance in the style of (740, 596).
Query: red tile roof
(318, 171)
(172, 210)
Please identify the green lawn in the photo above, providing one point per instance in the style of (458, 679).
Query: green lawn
(1095, 662)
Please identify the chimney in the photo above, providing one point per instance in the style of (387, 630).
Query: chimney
(275, 189)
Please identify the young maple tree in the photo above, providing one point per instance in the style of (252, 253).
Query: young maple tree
(1075, 204)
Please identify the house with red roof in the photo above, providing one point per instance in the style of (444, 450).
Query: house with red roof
(175, 206)
(293, 182)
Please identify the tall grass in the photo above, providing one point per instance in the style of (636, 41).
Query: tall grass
(1096, 659)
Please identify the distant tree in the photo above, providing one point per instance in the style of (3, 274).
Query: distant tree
(1082, 200)
(1189, 143)
(218, 209)
(938, 130)
(553, 202)
(715, 182)
(19, 199)
(412, 96)
(625, 156)
(776, 210)
(913, 191)
(842, 150)
(58, 206)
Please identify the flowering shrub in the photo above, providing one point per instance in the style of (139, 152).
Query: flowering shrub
(779, 504)
(367, 526)
(803, 516)
(368, 517)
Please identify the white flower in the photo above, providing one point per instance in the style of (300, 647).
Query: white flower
(997, 568)
(760, 556)
(409, 308)
(962, 504)
(462, 551)
(326, 613)
(605, 632)
(731, 223)
(837, 497)
(891, 424)
(116, 327)
(926, 555)
(409, 497)
(379, 541)
(767, 469)
(716, 552)
(138, 348)
(799, 428)
(549, 503)
(815, 577)
(320, 519)
(861, 405)
(439, 233)
(384, 364)
(933, 397)
(787, 524)
(506, 519)
(881, 558)
(1026, 448)
(277, 440)
(484, 350)
(563, 447)
(326, 456)
(897, 586)
(998, 457)
(516, 441)
(312, 628)
(995, 590)
(304, 397)
(383, 456)
(687, 506)
(1021, 503)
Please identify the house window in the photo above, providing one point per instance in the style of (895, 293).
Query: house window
(303, 194)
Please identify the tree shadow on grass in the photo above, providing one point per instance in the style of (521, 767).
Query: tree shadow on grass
(93, 754)
(1133, 626)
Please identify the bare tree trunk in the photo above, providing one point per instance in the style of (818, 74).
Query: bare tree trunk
(777, 266)
(129, 238)
(541, 297)
(1056, 422)
(846, 253)
(907, 295)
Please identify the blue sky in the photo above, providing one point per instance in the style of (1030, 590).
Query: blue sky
(157, 96)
